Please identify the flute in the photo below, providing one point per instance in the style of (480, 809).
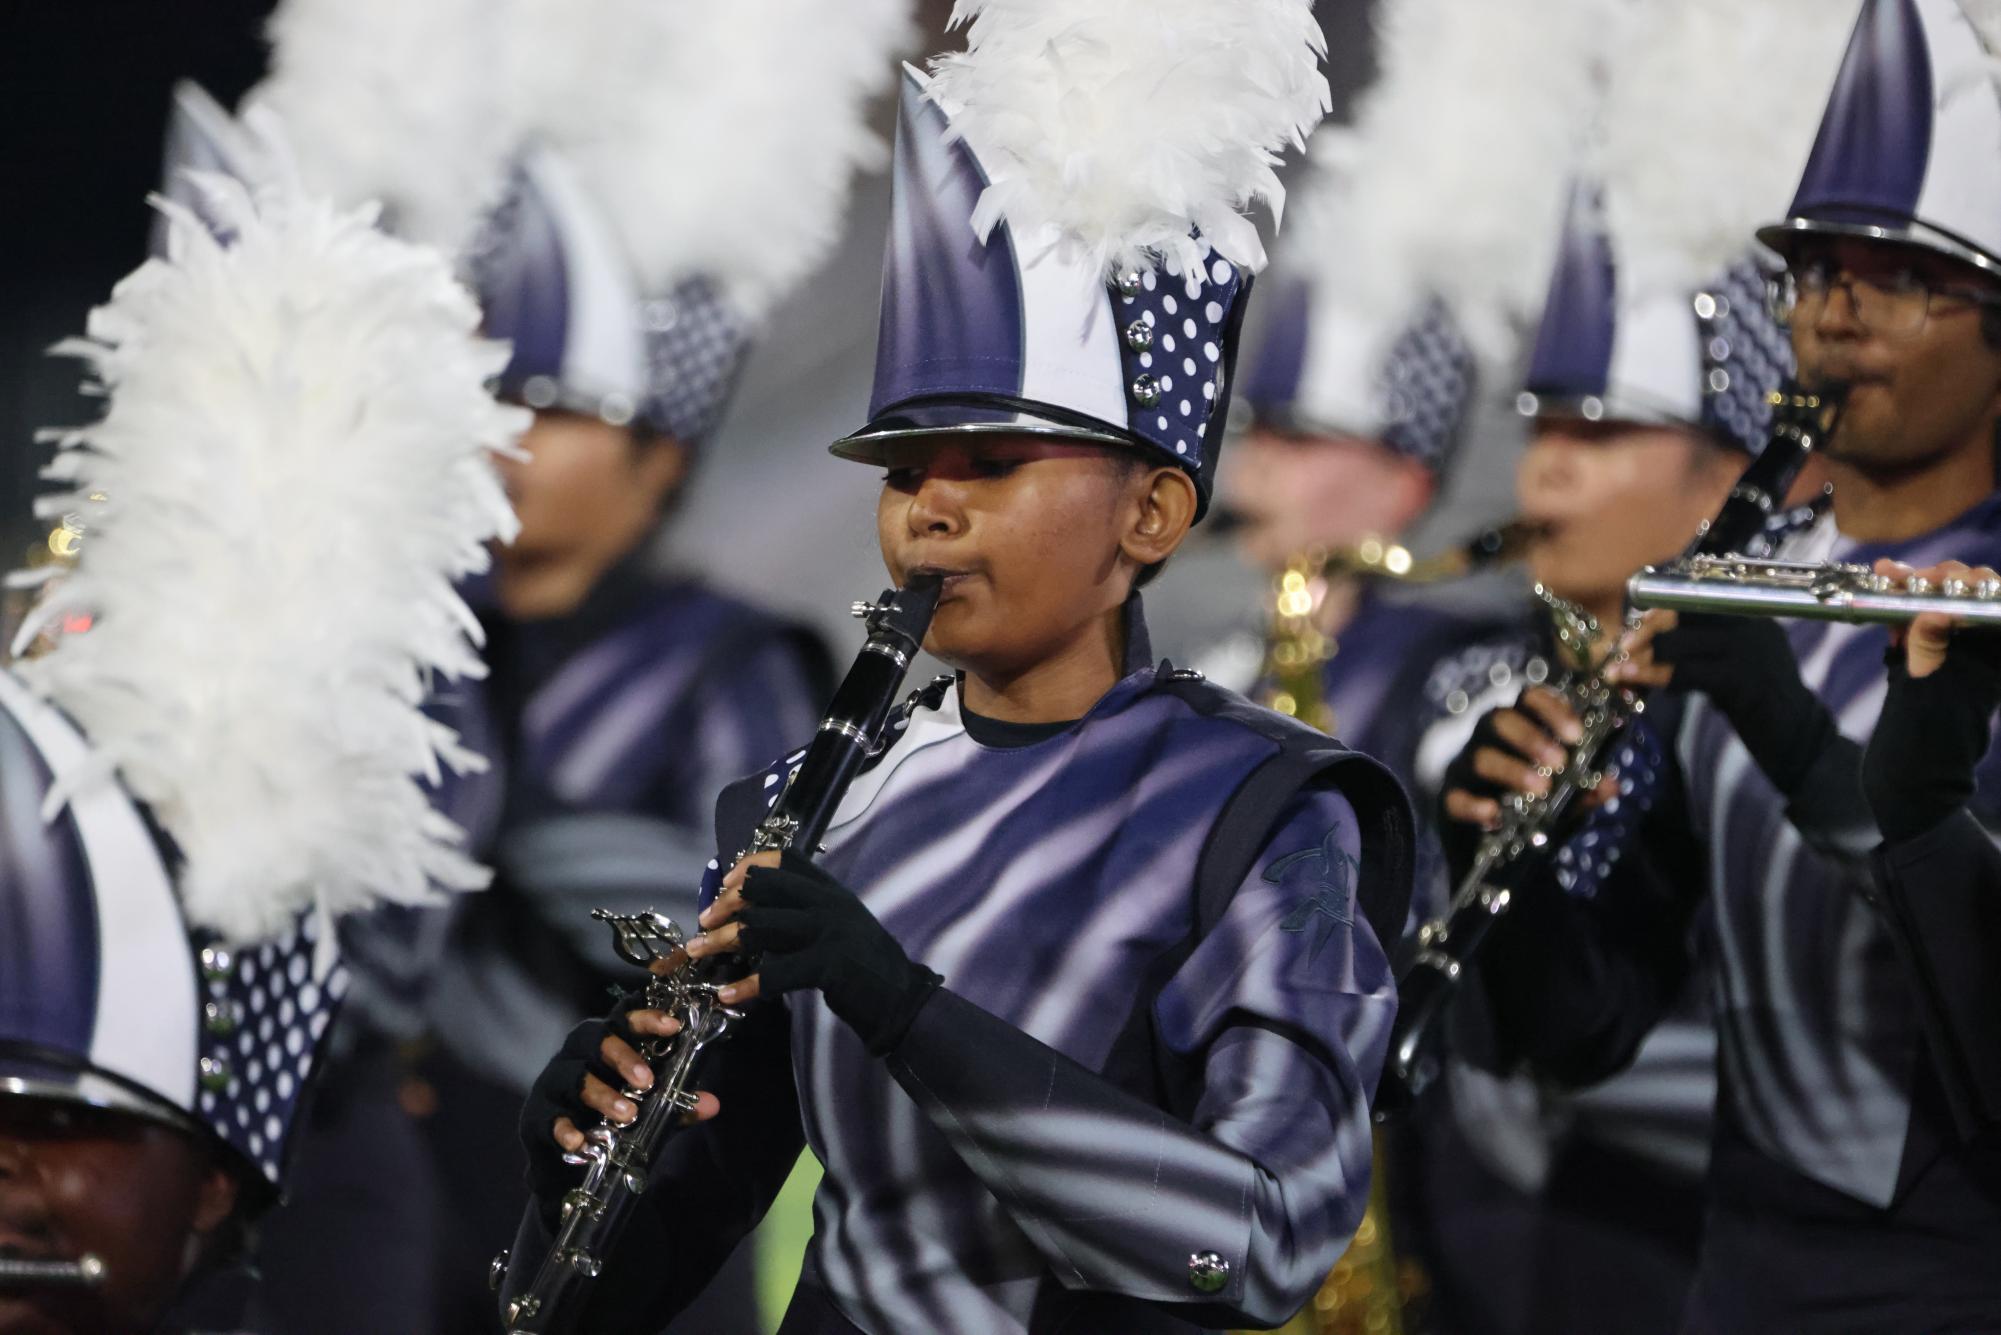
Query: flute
(19, 1272)
(1830, 591)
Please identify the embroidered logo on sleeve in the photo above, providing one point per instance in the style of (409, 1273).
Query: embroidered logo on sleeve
(1328, 907)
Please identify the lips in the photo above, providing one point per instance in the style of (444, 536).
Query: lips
(950, 578)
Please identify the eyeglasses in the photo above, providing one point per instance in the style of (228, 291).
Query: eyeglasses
(1890, 303)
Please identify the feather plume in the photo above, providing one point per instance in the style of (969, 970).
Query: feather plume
(1116, 127)
(1453, 177)
(721, 139)
(294, 467)
(395, 101)
(1710, 114)
(1985, 15)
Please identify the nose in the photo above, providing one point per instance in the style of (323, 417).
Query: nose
(1548, 470)
(937, 508)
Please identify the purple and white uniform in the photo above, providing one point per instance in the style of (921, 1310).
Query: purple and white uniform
(1108, 1119)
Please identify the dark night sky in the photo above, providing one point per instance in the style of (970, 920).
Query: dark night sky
(87, 82)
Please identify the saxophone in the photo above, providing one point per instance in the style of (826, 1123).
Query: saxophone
(1801, 419)
(547, 1295)
(1298, 650)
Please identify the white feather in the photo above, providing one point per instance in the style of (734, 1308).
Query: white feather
(396, 101)
(1710, 113)
(1453, 177)
(295, 468)
(721, 139)
(1985, 16)
(1114, 127)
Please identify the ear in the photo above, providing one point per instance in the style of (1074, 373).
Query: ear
(215, 1199)
(659, 463)
(1164, 513)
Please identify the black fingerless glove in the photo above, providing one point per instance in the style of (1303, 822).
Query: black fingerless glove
(1745, 665)
(1461, 838)
(559, 1092)
(812, 932)
(1931, 734)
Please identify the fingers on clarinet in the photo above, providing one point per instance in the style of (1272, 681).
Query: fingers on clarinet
(1509, 771)
(653, 1024)
(721, 941)
(1554, 713)
(564, 1132)
(749, 989)
(602, 1098)
(623, 1058)
(706, 1106)
(1522, 732)
(1464, 807)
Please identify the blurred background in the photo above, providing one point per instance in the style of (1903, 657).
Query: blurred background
(770, 513)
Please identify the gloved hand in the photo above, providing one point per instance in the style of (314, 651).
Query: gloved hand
(1933, 731)
(1745, 665)
(559, 1093)
(807, 930)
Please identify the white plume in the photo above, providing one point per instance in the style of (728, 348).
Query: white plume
(1116, 126)
(294, 467)
(1985, 16)
(396, 101)
(721, 139)
(1710, 113)
(1453, 178)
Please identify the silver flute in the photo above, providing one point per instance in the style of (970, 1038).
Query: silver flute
(548, 1295)
(1829, 591)
(19, 1272)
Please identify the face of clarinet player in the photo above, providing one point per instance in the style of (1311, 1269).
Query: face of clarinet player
(1901, 325)
(1605, 498)
(1040, 540)
(587, 494)
(140, 1196)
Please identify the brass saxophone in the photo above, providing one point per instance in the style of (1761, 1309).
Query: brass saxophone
(547, 1295)
(1297, 649)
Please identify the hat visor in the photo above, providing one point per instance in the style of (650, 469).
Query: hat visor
(39, 1074)
(948, 418)
(1784, 237)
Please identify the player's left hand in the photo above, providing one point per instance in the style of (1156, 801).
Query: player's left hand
(808, 931)
(1928, 638)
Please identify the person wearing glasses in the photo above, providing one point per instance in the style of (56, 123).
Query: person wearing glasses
(1843, 1196)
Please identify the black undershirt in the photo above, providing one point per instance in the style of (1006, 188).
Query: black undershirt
(1005, 736)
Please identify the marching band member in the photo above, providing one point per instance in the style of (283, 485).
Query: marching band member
(1064, 1068)
(1940, 871)
(195, 775)
(1839, 1196)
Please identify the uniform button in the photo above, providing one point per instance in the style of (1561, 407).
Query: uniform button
(1208, 1272)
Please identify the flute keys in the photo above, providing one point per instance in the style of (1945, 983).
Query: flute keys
(1953, 587)
(1987, 589)
(1917, 584)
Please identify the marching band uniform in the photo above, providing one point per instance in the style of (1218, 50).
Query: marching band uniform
(1839, 1197)
(1139, 1099)
(1705, 361)
(1939, 868)
(179, 823)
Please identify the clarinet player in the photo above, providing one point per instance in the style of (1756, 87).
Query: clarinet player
(1842, 1196)
(1083, 1005)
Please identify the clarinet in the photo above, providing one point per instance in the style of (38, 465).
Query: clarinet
(618, 1160)
(1801, 419)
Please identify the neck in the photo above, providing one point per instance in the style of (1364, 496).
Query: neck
(1898, 506)
(1059, 686)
